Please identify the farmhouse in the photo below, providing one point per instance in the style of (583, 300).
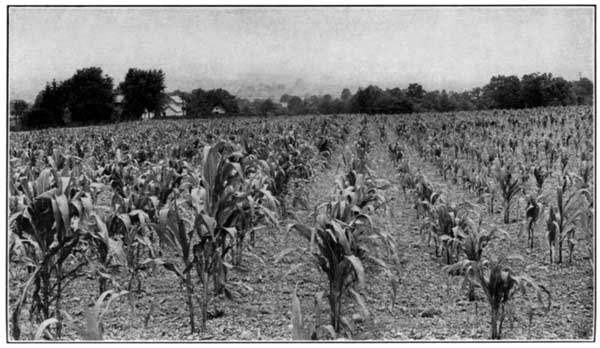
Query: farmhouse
(174, 107)
(217, 110)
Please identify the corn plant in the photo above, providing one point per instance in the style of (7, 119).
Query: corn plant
(440, 225)
(509, 188)
(207, 259)
(396, 152)
(584, 174)
(50, 245)
(106, 255)
(175, 235)
(552, 226)
(335, 242)
(570, 206)
(138, 240)
(540, 176)
(362, 192)
(500, 284)
(93, 329)
(533, 210)
(473, 239)
(587, 226)
(300, 329)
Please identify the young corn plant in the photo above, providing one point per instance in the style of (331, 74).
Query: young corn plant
(106, 255)
(174, 234)
(331, 244)
(440, 225)
(540, 176)
(51, 246)
(533, 211)
(509, 188)
(300, 328)
(570, 206)
(93, 329)
(139, 246)
(500, 285)
(473, 239)
(552, 232)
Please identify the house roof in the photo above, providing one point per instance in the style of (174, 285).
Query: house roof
(176, 99)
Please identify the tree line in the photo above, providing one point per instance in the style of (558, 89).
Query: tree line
(90, 97)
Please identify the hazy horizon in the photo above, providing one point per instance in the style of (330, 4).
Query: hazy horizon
(449, 48)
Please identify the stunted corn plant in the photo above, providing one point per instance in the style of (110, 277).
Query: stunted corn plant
(300, 329)
(93, 329)
(441, 225)
(509, 188)
(540, 176)
(473, 239)
(533, 211)
(175, 235)
(500, 284)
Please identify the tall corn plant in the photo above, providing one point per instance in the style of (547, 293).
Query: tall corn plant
(331, 245)
(42, 227)
(500, 285)
(570, 207)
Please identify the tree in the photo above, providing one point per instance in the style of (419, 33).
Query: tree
(89, 96)
(504, 92)
(531, 90)
(346, 95)
(556, 91)
(583, 91)
(415, 91)
(142, 91)
(197, 103)
(364, 100)
(49, 107)
(295, 105)
(267, 107)
(222, 98)
(18, 109)
(285, 98)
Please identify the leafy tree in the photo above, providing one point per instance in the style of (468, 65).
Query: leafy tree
(556, 92)
(285, 98)
(267, 107)
(222, 98)
(504, 92)
(18, 107)
(364, 100)
(89, 96)
(415, 92)
(583, 91)
(346, 95)
(197, 103)
(531, 90)
(295, 105)
(49, 107)
(142, 90)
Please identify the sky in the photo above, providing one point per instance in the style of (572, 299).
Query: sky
(441, 48)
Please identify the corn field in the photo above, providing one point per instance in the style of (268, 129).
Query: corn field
(434, 226)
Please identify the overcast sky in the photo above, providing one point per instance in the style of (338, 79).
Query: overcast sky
(451, 48)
